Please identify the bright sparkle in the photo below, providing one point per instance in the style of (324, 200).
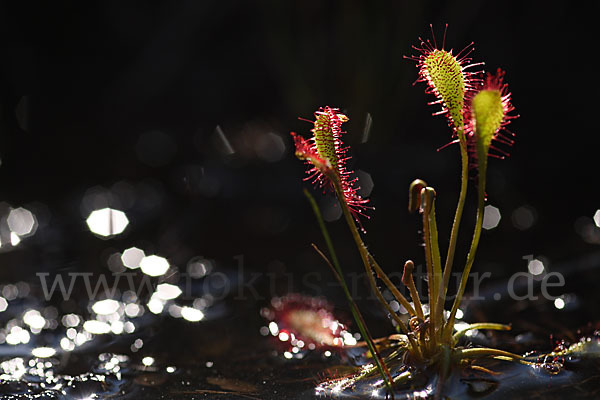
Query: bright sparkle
(34, 319)
(155, 305)
(154, 265)
(191, 314)
(148, 361)
(96, 327)
(105, 307)
(43, 352)
(107, 222)
(166, 291)
(14, 239)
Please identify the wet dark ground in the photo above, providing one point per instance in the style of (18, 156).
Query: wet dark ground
(125, 351)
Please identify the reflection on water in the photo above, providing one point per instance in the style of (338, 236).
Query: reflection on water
(36, 378)
(154, 265)
(169, 334)
(554, 375)
(41, 342)
(59, 345)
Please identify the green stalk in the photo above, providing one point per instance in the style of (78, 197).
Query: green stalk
(457, 217)
(484, 352)
(409, 282)
(362, 325)
(337, 270)
(401, 299)
(390, 285)
(444, 369)
(362, 249)
(437, 264)
(474, 243)
(325, 233)
(480, 325)
(427, 195)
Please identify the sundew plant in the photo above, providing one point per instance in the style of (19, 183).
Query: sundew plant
(478, 109)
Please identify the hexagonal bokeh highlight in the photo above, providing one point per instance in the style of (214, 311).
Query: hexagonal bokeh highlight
(107, 222)
(21, 221)
(132, 257)
(154, 265)
(491, 217)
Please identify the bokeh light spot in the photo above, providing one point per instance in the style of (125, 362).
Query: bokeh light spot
(148, 361)
(154, 265)
(523, 217)
(105, 307)
(107, 222)
(96, 327)
(166, 291)
(535, 267)
(192, 314)
(365, 183)
(491, 217)
(270, 147)
(43, 352)
(21, 221)
(34, 319)
(132, 257)
(155, 305)
(198, 267)
(330, 208)
(14, 239)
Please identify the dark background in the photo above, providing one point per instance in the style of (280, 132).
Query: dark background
(83, 83)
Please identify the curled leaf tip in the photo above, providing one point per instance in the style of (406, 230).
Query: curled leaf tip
(409, 266)
(414, 194)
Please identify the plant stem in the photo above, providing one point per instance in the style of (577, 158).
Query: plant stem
(480, 325)
(362, 325)
(464, 180)
(324, 231)
(444, 371)
(484, 352)
(472, 250)
(437, 265)
(399, 297)
(426, 205)
(337, 271)
(409, 282)
(390, 285)
(362, 249)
